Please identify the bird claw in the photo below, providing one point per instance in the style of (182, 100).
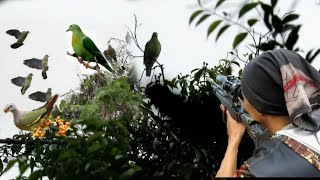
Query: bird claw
(86, 65)
(80, 60)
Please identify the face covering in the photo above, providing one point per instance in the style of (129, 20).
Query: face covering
(281, 82)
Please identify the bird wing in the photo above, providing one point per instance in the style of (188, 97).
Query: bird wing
(30, 118)
(38, 96)
(89, 45)
(19, 81)
(146, 49)
(14, 32)
(33, 63)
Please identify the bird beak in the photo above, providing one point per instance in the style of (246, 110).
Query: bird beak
(5, 110)
(68, 30)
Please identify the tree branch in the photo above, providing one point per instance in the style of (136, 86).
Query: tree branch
(18, 141)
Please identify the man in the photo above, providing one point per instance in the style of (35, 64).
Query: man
(282, 92)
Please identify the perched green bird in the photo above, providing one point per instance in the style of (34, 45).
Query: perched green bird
(151, 52)
(20, 36)
(110, 53)
(23, 82)
(28, 120)
(41, 96)
(41, 64)
(85, 48)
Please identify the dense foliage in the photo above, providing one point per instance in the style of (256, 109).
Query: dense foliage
(169, 128)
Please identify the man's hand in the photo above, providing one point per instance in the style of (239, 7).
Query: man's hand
(235, 129)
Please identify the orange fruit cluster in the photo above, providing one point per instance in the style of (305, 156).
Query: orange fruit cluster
(63, 127)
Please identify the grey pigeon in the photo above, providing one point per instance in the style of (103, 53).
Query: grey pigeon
(23, 82)
(41, 96)
(41, 64)
(20, 36)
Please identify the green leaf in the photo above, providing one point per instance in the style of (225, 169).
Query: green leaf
(240, 73)
(289, 18)
(170, 83)
(239, 38)
(10, 164)
(247, 8)
(62, 104)
(23, 166)
(32, 164)
(1, 165)
(274, 3)
(224, 28)
(267, 12)
(236, 63)
(213, 26)
(194, 15)
(130, 172)
(219, 3)
(266, 8)
(173, 162)
(194, 70)
(293, 37)
(251, 22)
(310, 58)
(204, 17)
(288, 27)
(94, 147)
(277, 23)
(267, 46)
(35, 175)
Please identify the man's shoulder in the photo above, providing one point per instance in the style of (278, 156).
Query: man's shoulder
(273, 158)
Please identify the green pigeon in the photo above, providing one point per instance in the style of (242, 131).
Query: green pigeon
(29, 120)
(41, 64)
(41, 96)
(151, 52)
(85, 48)
(110, 53)
(20, 36)
(23, 82)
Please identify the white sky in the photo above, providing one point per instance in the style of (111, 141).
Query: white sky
(183, 48)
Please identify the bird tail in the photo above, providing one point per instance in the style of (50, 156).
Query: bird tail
(49, 105)
(44, 74)
(23, 90)
(16, 45)
(104, 62)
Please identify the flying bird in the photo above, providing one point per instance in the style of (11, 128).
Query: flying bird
(151, 52)
(85, 48)
(41, 96)
(20, 36)
(110, 53)
(29, 120)
(41, 64)
(23, 82)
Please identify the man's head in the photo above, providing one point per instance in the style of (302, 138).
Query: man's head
(281, 83)
(261, 84)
